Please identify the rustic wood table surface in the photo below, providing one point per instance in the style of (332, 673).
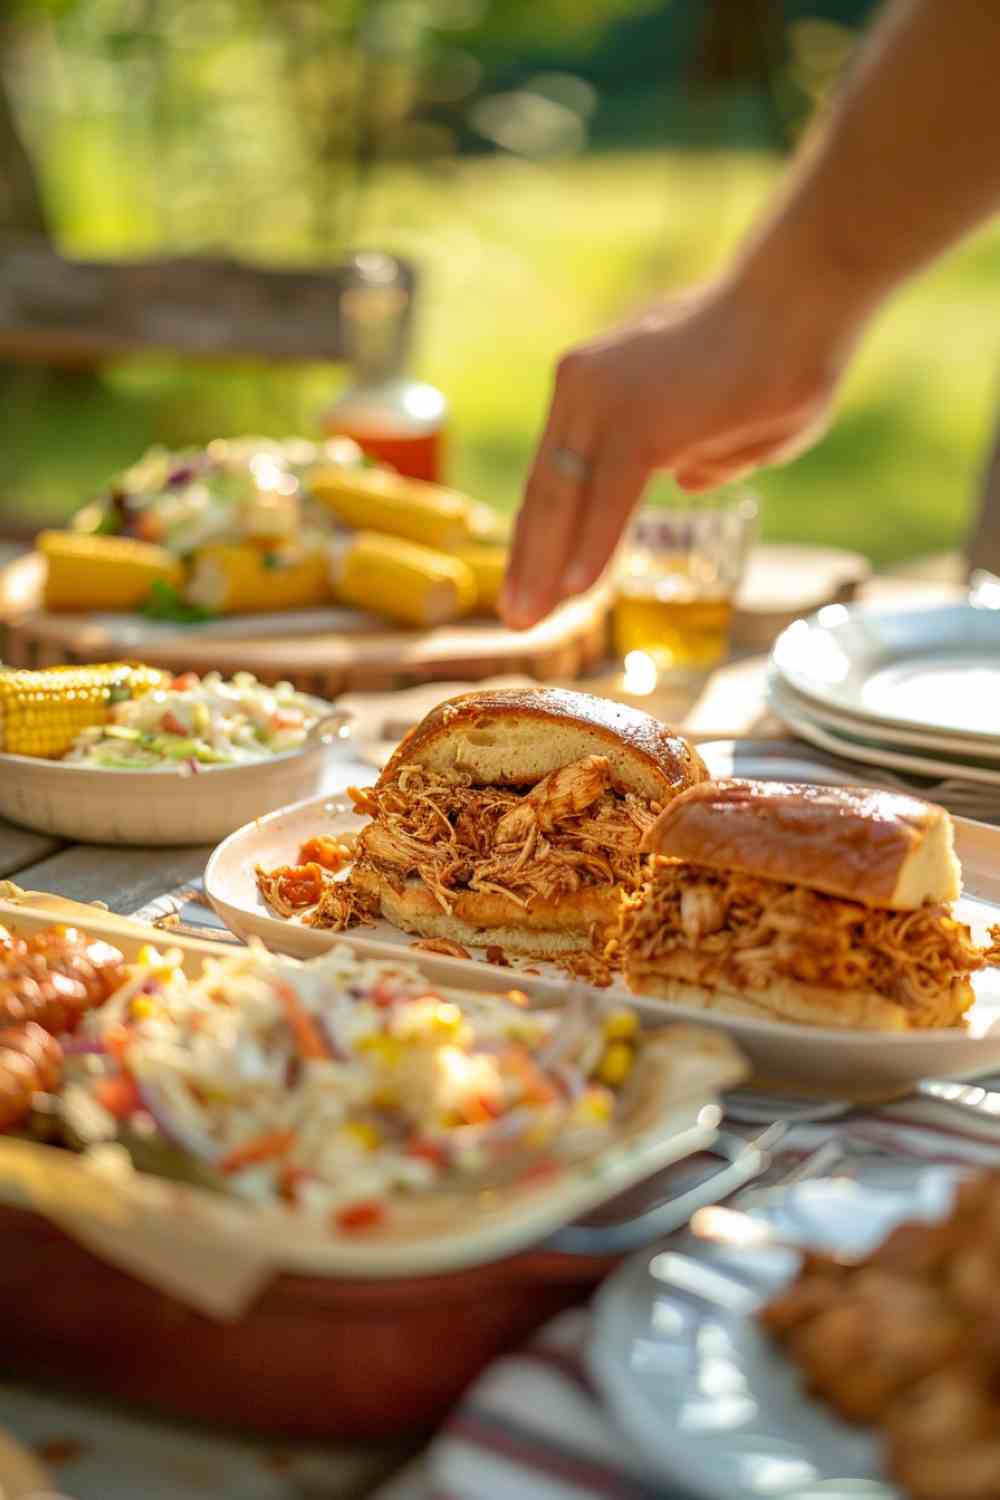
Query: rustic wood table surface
(100, 1452)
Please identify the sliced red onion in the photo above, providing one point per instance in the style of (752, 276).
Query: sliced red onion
(184, 1136)
(568, 1078)
(80, 1046)
(338, 1051)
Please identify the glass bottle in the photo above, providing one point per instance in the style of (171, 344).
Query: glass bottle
(394, 418)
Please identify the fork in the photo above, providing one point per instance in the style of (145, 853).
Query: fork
(753, 1107)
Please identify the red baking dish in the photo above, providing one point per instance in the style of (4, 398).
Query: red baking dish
(351, 1342)
(315, 1357)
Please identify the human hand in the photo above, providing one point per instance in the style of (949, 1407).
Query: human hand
(709, 387)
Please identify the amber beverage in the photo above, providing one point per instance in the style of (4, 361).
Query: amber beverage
(672, 622)
(677, 580)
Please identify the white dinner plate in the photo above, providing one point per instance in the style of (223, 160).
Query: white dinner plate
(871, 752)
(854, 1064)
(951, 747)
(933, 668)
(706, 1397)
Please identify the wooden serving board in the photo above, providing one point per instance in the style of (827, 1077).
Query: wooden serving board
(325, 652)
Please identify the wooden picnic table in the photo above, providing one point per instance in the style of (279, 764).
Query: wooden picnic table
(731, 703)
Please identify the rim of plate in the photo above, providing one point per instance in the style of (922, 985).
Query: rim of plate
(822, 735)
(840, 720)
(853, 616)
(38, 761)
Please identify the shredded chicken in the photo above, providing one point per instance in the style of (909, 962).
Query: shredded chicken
(748, 931)
(441, 945)
(570, 830)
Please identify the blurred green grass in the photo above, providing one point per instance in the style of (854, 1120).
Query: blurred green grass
(520, 260)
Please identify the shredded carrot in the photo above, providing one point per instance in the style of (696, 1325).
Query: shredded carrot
(116, 1040)
(118, 1094)
(538, 1089)
(478, 1110)
(308, 1037)
(259, 1148)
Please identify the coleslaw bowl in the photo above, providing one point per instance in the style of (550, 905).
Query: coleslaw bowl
(164, 805)
(170, 1295)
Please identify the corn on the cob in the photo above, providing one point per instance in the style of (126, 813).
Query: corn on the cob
(41, 713)
(487, 565)
(239, 579)
(410, 584)
(103, 572)
(382, 500)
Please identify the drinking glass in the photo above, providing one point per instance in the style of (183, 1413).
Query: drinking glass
(677, 578)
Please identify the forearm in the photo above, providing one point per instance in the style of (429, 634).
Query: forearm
(908, 162)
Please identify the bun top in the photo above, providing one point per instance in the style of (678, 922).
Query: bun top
(515, 736)
(877, 848)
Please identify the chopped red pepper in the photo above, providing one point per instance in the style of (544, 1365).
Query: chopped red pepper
(185, 681)
(540, 1171)
(171, 724)
(360, 1215)
(425, 1150)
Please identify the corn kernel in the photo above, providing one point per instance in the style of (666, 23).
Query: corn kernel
(621, 1024)
(388, 1050)
(616, 1064)
(594, 1107)
(143, 1008)
(364, 1133)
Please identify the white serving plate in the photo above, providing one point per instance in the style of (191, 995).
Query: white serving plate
(159, 807)
(936, 668)
(706, 1397)
(216, 1252)
(855, 1064)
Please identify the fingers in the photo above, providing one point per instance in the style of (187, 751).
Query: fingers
(616, 484)
(549, 518)
(699, 471)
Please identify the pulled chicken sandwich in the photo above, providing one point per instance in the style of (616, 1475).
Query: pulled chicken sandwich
(829, 906)
(513, 818)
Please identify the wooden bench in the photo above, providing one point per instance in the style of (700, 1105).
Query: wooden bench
(58, 311)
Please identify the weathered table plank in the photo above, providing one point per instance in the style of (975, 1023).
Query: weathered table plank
(19, 847)
(124, 879)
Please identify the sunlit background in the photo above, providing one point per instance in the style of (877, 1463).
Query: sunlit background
(548, 164)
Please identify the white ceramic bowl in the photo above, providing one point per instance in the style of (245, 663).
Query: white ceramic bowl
(96, 806)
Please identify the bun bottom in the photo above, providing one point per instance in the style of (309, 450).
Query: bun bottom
(803, 1004)
(481, 918)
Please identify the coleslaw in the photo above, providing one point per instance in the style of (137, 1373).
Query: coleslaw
(232, 490)
(200, 721)
(338, 1085)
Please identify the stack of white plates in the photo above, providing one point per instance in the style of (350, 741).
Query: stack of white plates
(914, 694)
